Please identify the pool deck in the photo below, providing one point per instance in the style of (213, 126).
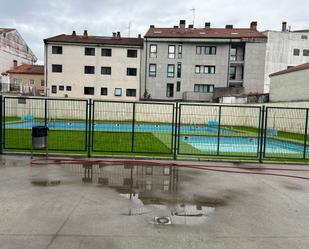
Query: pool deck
(67, 212)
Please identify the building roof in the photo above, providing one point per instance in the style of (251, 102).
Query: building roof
(207, 32)
(102, 40)
(291, 69)
(302, 31)
(28, 69)
(5, 30)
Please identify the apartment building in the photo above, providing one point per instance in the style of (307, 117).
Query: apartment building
(285, 48)
(192, 64)
(14, 50)
(83, 66)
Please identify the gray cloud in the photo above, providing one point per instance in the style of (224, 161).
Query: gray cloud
(38, 19)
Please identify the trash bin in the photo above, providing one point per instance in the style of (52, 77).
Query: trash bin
(39, 137)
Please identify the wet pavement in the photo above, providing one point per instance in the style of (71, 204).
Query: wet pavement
(143, 206)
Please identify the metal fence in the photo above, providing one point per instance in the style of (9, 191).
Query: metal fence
(95, 127)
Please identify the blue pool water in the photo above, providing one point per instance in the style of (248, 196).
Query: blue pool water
(117, 127)
(241, 145)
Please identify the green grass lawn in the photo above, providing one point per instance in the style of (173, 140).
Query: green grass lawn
(68, 140)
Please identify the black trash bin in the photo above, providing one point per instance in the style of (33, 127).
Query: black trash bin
(39, 137)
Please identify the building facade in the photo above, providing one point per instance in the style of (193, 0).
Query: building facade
(27, 80)
(285, 49)
(190, 64)
(82, 66)
(13, 50)
(291, 84)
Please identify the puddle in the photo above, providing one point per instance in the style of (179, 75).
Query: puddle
(160, 195)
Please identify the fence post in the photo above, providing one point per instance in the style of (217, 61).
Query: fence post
(305, 139)
(265, 131)
(261, 135)
(219, 131)
(133, 128)
(175, 125)
(45, 112)
(1, 134)
(88, 127)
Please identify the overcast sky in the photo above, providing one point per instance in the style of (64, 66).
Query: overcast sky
(39, 19)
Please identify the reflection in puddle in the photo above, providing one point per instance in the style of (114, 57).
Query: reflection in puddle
(153, 192)
(45, 183)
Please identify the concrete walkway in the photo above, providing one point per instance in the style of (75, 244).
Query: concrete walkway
(99, 206)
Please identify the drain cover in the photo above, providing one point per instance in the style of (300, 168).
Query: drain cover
(163, 220)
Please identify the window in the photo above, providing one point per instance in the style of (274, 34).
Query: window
(89, 70)
(170, 70)
(152, 70)
(42, 83)
(106, 70)
(203, 88)
(178, 86)
(31, 82)
(106, 52)
(148, 170)
(69, 88)
(232, 73)
(104, 91)
(56, 68)
(198, 69)
(88, 90)
(178, 70)
(210, 50)
(153, 51)
(233, 54)
(131, 71)
(171, 51)
(179, 51)
(118, 91)
(131, 92)
(166, 171)
(306, 52)
(304, 37)
(132, 53)
(90, 51)
(199, 50)
(21, 100)
(296, 52)
(54, 89)
(209, 69)
(169, 90)
(61, 88)
(18, 81)
(56, 49)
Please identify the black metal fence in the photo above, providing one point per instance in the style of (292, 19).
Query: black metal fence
(95, 127)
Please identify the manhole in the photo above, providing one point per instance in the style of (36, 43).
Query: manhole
(162, 220)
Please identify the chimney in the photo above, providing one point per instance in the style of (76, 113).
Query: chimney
(14, 63)
(253, 25)
(175, 27)
(284, 26)
(73, 33)
(182, 26)
(114, 35)
(152, 26)
(228, 26)
(118, 35)
(191, 26)
(139, 36)
(85, 34)
(207, 25)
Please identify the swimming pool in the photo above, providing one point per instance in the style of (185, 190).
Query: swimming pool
(118, 127)
(241, 145)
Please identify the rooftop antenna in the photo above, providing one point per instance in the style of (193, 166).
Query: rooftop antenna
(129, 28)
(193, 15)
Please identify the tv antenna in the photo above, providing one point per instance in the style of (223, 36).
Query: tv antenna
(129, 28)
(193, 15)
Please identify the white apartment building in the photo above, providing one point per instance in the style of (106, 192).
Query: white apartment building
(285, 49)
(82, 66)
